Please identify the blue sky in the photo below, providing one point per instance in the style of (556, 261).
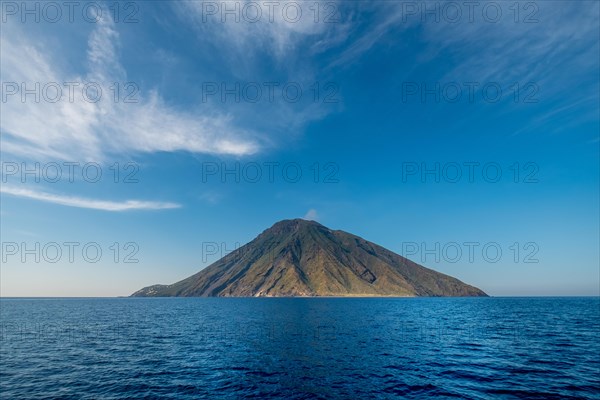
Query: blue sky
(389, 91)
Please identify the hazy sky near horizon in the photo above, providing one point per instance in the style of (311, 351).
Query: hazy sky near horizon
(143, 140)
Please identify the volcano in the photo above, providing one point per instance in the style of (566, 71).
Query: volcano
(300, 258)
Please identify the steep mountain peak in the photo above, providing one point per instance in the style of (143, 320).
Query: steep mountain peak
(304, 258)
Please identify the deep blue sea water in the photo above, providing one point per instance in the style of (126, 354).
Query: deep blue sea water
(187, 348)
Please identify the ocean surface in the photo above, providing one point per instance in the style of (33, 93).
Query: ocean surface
(322, 348)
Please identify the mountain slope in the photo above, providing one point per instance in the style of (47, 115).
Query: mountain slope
(305, 258)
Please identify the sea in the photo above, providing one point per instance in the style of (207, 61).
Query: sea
(300, 348)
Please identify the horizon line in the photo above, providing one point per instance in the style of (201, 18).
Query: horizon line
(291, 297)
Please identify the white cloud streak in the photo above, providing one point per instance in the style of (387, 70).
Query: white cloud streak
(80, 202)
(94, 130)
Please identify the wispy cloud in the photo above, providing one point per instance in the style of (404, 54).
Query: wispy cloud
(275, 49)
(544, 35)
(387, 16)
(94, 130)
(80, 202)
(278, 29)
(555, 39)
(552, 47)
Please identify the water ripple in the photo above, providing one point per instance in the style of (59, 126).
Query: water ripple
(521, 348)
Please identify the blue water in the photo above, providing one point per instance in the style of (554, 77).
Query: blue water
(537, 348)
